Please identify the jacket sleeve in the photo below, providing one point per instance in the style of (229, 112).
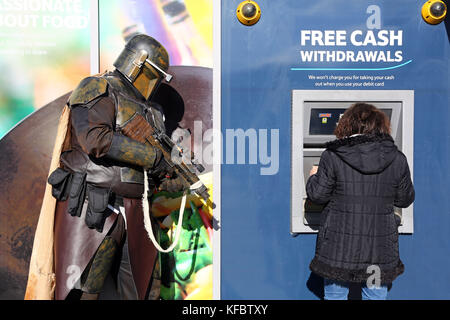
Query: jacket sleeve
(405, 193)
(94, 126)
(320, 186)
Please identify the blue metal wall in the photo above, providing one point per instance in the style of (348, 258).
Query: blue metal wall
(260, 259)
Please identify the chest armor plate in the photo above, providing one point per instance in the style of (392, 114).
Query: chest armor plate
(127, 105)
(126, 109)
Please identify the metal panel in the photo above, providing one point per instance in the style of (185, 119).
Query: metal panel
(259, 257)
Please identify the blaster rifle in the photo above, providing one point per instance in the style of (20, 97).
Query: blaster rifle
(140, 130)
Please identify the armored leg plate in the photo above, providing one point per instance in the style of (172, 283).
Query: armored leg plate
(100, 266)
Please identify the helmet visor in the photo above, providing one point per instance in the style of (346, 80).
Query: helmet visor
(167, 77)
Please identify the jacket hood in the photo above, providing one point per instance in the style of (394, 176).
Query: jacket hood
(368, 154)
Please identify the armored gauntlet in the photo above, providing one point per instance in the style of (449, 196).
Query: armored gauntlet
(131, 152)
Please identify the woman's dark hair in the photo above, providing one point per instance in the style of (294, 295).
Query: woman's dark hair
(362, 118)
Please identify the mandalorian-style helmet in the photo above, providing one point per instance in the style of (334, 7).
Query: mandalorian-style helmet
(144, 62)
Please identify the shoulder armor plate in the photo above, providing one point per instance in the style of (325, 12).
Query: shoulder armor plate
(88, 90)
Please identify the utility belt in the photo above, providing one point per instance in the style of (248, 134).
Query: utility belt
(72, 187)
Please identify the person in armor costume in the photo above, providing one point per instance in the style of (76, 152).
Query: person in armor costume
(99, 227)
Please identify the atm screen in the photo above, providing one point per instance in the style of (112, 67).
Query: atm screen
(324, 121)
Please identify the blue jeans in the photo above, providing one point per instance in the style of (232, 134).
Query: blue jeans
(337, 290)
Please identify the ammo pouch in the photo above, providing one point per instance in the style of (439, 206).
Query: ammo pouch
(71, 186)
(77, 194)
(97, 212)
(60, 181)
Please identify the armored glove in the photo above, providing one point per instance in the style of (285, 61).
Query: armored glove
(160, 171)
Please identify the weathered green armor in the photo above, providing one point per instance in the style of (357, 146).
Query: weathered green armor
(111, 171)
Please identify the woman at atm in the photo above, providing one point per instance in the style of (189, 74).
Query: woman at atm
(361, 177)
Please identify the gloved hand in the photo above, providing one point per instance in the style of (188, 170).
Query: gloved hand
(172, 185)
(161, 168)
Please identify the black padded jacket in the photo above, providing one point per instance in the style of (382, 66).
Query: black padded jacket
(360, 179)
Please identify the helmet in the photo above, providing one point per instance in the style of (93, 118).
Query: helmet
(144, 62)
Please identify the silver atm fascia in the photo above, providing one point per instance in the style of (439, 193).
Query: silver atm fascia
(307, 148)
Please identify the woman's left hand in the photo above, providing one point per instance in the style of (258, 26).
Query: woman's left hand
(313, 170)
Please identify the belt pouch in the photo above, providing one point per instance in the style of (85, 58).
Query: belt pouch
(97, 212)
(77, 194)
(60, 180)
